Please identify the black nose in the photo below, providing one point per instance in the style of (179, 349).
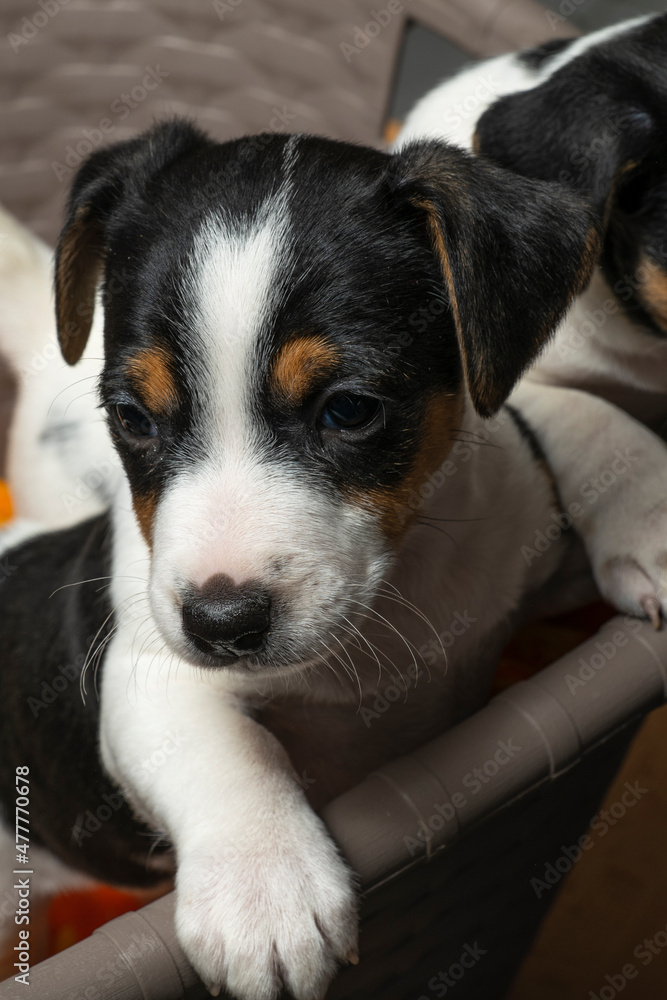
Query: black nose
(227, 621)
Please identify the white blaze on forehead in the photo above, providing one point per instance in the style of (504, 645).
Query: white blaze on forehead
(239, 275)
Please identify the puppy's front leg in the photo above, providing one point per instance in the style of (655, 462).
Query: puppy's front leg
(611, 474)
(263, 898)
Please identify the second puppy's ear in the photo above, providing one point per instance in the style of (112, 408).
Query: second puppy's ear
(513, 253)
(599, 115)
(102, 184)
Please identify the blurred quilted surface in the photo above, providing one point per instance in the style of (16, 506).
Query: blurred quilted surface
(76, 74)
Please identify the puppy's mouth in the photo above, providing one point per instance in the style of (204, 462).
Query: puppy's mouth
(270, 659)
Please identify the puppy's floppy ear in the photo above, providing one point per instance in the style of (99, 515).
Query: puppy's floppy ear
(512, 252)
(106, 180)
(594, 118)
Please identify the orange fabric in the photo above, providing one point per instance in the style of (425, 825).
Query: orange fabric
(391, 129)
(75, 915)
(5, 503)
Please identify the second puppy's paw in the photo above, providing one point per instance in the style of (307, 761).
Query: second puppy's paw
(629, 556)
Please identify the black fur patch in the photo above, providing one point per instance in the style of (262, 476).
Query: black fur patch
(536, 450)
(599, 125)
(47, 628)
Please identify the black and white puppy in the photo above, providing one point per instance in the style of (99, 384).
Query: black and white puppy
(292, 438)
(590, 114)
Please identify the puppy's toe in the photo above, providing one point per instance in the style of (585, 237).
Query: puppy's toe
(634, 586)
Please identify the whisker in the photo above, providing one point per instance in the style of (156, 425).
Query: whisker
(480, 441)
(398, 598)
(119, 611)
(354, 669)
(85, 378)
(405, 641)
(453, 520)
(341, 661)
(439, 529)
(95, 579)
(372, 649)
(77, 398)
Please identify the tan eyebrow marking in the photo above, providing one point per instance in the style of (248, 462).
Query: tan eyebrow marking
(299, 364)
(151, 372)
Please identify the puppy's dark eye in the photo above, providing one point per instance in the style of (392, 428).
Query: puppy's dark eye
(134, 422)
(349, 411)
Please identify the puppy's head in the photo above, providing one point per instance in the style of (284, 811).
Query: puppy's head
(599, 124)
(292, 328)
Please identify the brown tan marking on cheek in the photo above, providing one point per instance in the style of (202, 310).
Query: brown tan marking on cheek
(298, 366)
(145, 506)
(150, 371)
(590, 257)
(652, 291)
(442, 416)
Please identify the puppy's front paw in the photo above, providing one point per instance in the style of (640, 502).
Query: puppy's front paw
(259, 914)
